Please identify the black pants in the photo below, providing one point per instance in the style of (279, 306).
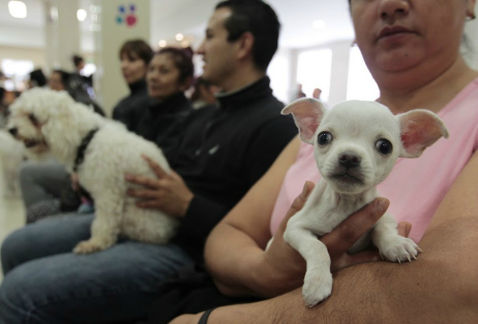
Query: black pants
(192, 292)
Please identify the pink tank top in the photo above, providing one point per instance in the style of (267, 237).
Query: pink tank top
(415, 187)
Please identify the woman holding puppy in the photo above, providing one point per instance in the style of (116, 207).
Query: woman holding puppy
(415, 67)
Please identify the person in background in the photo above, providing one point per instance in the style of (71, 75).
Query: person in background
(156, 116)
(222, 152)
(79, 64)
(435, 195)
(58, 80)
(3, 109)
(135, 56)
(36, 79)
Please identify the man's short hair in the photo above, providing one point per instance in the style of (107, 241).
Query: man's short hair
(258, 18)
(37, 78)
(77, 59)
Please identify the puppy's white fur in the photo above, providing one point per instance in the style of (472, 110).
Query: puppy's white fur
(351, 143)
(11, 156)
(50, 122)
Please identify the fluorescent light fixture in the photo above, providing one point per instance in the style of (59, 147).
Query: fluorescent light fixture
(319, 24)
(17, 9)
(81, 14)
(53, 13)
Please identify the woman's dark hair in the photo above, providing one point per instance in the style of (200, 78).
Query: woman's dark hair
(136, 48)
(258, 18)
(37, 78)
(65, 76)
(183, 60)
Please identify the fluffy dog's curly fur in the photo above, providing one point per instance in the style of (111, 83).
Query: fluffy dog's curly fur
(50, 122)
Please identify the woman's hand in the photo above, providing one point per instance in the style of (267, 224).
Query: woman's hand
(286, 267)
(167, 192)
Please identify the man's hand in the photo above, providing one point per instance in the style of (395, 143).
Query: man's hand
(75, 182)
(288, 267)
(167, 192)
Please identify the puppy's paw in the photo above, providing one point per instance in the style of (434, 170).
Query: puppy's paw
(399, 248)
(317, 287)
(86, 247)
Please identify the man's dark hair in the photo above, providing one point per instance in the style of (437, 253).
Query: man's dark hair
(136, 48)
(258, 18)
(37, 78)
(182, 58)
(77, 60)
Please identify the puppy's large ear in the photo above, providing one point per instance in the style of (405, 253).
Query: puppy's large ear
(307, 113)
(419, 128)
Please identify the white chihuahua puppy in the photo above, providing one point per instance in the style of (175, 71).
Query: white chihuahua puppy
(356, 144)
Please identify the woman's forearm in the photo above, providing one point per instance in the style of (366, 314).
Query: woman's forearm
(440, 287)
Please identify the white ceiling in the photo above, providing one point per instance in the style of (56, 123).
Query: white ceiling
(169, 17)
(296, 16)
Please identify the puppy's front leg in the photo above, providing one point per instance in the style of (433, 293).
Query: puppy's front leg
(105, 227)
(391, 245)
(318, 278)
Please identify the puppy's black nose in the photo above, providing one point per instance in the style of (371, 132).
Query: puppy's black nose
(349, 161)
(13, 131)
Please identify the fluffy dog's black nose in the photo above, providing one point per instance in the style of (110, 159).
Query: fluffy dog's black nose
(13, 131)
(348, 160)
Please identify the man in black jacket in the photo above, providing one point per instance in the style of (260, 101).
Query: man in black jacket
(222, 152)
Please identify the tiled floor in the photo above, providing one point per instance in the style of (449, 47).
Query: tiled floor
(12, 214)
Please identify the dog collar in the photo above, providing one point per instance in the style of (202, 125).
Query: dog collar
(80, 152)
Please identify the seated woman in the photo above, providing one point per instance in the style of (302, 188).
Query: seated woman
(155, 117)
(413, 67)
(135, 56)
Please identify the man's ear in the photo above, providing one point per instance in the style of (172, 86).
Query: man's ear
(419, 128)
(307, 113)
(245, 43)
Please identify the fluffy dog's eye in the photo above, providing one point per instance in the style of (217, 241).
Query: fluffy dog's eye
(324, 138)
(33, 119)
(384, 146)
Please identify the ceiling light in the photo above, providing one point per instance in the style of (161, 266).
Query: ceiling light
(53, 13)
(319, 24)
(81, 14)
(17, 9)
(179, 37)
(163, 43)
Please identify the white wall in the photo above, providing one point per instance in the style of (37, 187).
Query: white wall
(36, 55)
(27, 42)
(471, 32)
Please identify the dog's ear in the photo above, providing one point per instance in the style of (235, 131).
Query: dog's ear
(307, 113)
(419, 128)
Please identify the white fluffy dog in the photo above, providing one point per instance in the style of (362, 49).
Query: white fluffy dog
(11, 156)
(101, 152)
(356, 144)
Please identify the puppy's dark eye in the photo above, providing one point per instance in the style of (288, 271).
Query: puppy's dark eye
(324, 138)
(384, 146)
(33, 119)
